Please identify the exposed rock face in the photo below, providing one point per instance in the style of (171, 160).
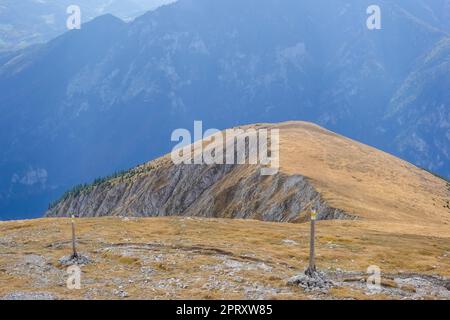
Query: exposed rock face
(231, 191)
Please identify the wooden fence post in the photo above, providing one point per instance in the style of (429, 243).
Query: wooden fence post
(312, 258)
(74, 240)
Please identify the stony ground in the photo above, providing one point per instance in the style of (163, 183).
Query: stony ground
(190, 258)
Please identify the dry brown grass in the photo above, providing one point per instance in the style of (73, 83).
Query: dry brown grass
(191, 250)
(360, 179)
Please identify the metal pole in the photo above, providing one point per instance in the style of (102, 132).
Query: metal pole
(312, 259)
(74, 248)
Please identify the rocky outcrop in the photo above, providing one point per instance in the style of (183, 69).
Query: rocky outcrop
(225, 191)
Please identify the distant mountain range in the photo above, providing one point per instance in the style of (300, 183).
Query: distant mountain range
(107, 97)
(27, 22)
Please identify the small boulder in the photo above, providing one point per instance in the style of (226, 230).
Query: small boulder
(316, 281)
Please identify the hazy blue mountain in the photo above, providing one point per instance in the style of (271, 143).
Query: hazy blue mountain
(420, 112)
(107, 97)
(27, 22)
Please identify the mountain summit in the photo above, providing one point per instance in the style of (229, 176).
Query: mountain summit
(341, 178)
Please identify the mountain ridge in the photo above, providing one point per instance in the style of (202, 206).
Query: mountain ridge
(340, 178)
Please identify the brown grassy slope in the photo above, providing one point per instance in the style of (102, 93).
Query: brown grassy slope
(357, 178)
(350, 176)
(360, 179)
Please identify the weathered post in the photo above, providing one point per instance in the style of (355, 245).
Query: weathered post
(312, 263)
(74, 247)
